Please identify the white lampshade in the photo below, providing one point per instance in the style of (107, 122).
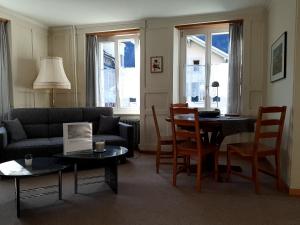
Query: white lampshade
(52, 74)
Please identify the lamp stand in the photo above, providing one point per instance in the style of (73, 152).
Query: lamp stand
(52, 98)
(217, 98)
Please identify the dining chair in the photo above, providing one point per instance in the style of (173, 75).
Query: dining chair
(269, 125)
(174, 105)
(187, 141)
(161, 140)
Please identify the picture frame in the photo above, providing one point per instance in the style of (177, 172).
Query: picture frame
(278, 58)
(156, 64)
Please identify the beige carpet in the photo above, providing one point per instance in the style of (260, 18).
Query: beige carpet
(146, 198)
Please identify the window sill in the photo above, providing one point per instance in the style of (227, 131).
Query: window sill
(124, 112)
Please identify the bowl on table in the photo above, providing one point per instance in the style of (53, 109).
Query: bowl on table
(209, 113)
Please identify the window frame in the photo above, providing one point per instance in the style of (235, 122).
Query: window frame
(208, 32)
(115, 39)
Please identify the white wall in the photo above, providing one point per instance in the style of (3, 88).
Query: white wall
(295, 153)
(160, 88)
(62, 43)
(160, 38)
(28, 43)
(281, 18)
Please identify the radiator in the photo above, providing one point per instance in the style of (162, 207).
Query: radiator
(136, 131)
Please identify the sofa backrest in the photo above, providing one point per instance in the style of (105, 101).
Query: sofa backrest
(92, 115)
(35, 121)
(48, 122)
(58, 116)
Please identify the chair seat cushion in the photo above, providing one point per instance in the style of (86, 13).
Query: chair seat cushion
(246, 149)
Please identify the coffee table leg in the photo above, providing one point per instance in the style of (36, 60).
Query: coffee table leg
(111, 176)
(75, 178)
(60, 185)
(17, 186)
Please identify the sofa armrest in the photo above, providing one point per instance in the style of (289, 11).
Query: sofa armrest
(3, 142)
(126, 132)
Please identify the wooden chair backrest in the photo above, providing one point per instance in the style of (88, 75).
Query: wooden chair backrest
(262, 124)
(156, 124)
(183, 128)
(179, 105)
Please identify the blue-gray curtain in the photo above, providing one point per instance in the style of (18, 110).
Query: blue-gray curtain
(4, 73)
(92, 69)
(235, 67)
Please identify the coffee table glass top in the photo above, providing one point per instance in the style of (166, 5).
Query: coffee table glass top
(110, 152)
(40, 166)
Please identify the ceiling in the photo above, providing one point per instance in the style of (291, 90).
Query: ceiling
(75, 12)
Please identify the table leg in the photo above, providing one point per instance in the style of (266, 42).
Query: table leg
(111, 175)
(17, 186)
(75, 179)
(60, 185)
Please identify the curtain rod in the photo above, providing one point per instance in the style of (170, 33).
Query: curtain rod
(115, 32)
(3, 20)
(196, 25)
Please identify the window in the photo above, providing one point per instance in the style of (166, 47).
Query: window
(204, 60)
(196, 65)
(119, 76)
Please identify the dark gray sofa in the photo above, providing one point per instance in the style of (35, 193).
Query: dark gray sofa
(44, 129)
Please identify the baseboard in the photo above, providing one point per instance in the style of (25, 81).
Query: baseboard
(294, 192)
(285, 188)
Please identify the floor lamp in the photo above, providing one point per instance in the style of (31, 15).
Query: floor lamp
(52, 76)
(216, 98)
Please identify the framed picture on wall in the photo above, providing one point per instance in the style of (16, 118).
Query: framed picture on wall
(278, 58)
(156, 64)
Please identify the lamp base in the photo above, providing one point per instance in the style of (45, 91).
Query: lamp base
(52, 102)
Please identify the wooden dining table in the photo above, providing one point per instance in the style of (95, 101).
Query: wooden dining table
(215, 129)
(221, 126)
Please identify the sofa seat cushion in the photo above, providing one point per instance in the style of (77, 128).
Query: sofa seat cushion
(58, 141)
(38, 147)
(110, 139)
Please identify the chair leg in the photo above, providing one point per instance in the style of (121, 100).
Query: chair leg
(188, 165)
(174, 167)
(216, 171)
(158, 150)
(228, 172)
(198, 175)
(255, 174)
(277, 171)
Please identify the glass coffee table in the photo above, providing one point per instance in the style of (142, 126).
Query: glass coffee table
(40, 166)
(108, 158)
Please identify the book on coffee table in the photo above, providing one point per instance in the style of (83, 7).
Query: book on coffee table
(77, 136)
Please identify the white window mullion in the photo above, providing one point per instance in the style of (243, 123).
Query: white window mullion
(182, 88)
(137, 62)
(99, 97)
(208, 69)
(117, 74)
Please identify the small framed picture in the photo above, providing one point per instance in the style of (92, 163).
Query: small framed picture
(156, 64)
(278, 58)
